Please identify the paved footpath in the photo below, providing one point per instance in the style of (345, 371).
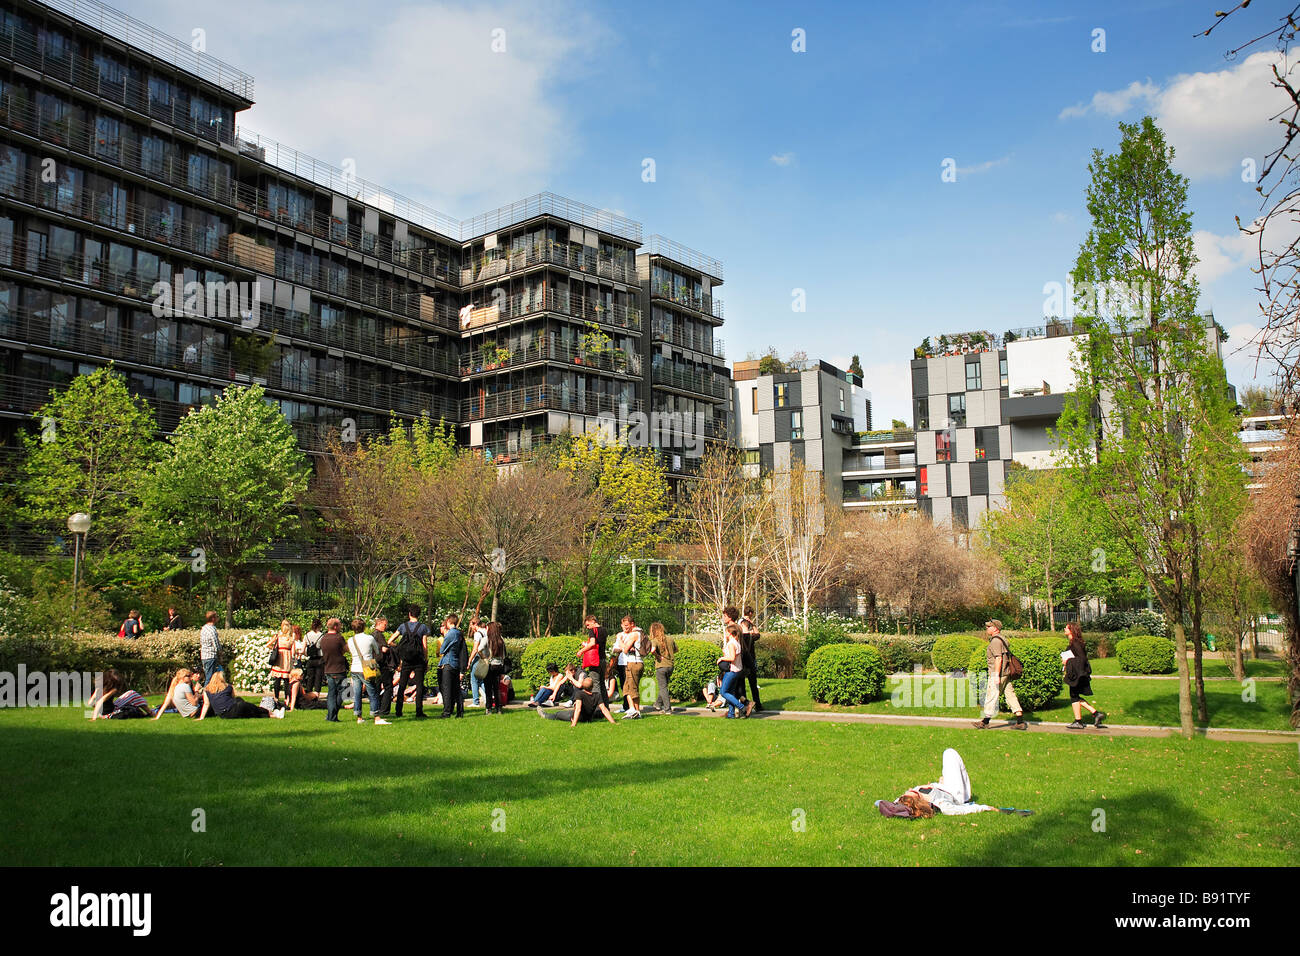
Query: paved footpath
(1035, 726)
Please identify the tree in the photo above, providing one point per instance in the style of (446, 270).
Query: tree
(630, 490)
(802, 537)
(855, 367)
(911, 564)
(769, 363)
(1051, 542)
(725, 512)
(1255, 400)
(1151, 426)
(93, 447)
(229, 485)
(897, 423)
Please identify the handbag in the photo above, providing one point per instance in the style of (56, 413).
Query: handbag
(369, 666)
(481, 667)
(273, 656)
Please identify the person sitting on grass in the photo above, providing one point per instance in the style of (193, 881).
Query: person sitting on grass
(949, 795)
(112, 699)
(555, 680)
(585, 708)
(219, 698)
(301, 697)
(181, 697)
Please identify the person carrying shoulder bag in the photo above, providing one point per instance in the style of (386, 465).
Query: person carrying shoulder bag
(1004, 667)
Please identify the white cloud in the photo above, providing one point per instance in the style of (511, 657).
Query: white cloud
(1214, 121)
(782, 159)
(983, 167)
(414, 94)
(1218, 255)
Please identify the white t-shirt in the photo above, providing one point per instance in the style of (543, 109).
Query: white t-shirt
(181, 702)
(362, 646)
(631, 641)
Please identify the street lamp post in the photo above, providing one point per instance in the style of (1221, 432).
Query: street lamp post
(78, 524)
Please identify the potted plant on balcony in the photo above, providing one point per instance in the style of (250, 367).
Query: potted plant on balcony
(592, 343)
(518, 258)
(502, 355)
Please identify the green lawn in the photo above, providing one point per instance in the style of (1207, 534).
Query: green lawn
(1138, 701)
(679, 790)
(1213, 665)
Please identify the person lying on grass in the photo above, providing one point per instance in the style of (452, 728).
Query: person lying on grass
(585, 708)
(949, 795)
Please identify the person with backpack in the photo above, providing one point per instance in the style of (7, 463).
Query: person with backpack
(132, 627)
(633, 646)
(1078, 676)
(664, 649)
(495, 651)
(413, 650)
(312, 674)
(1004, 667)
(731, 656)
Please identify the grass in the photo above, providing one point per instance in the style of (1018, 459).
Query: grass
(679, 790)
(1137, 701)
(1211, 665)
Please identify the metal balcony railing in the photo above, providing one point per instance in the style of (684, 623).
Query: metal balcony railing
(702, 304)
(501, 262)
(658, 245)
(621, 317)
(491, 359)
(704, 344)
(698, 383)
(535, 398)
(549, 204)
(140, 35)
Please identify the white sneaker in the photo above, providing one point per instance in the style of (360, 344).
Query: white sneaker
(278, 713)
(567, 703)
(383, 723)
(361, 720)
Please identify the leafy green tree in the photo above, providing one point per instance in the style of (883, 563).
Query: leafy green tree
(229, 486)
(855, 366)
(1151, 426)
(632, 504)
(1052, 543)
(93, 445)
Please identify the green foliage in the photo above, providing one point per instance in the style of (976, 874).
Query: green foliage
(1138, 622)
(694, 666)
(845, 674)
(1146, 655)
(954, 652)
(558, 650)
(776, 655)
(898, 653)
(230, 483)
(1043, 677)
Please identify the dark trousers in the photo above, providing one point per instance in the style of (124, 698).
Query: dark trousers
(334, 699)
(618, 685)
(312, 675)
(419, 671)
(449, 681)
(492, 688)
(751, 674)
(242, 708)
(385, 692)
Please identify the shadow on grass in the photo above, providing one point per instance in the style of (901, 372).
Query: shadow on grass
(1148, 829)
(310, 795)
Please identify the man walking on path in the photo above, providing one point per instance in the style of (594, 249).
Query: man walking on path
(209, 646)
(999, 652)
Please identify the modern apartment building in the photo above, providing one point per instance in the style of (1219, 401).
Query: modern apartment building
(982, 403)
(121, 167)
(822, 417)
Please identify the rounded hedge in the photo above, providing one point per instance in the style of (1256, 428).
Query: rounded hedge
(1146, 655)
(695, 664)
(1043, 677)
(953, 653)
(898, 653)
(845, 674)
(559, 650)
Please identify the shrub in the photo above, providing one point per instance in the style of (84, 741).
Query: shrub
(245, 660)
(821, 631)
(695, 664)
(1043, 676)
(559, 650)
(1098, 644)
(954, 651)
(898, 653)
(1146, 655)
(1138, 622)
(776, 655)
(845, 674)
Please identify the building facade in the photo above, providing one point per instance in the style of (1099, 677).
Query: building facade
(139, 225)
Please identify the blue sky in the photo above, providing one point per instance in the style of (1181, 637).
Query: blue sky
(818, 170)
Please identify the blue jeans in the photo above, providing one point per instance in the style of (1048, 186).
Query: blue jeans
(729, 682)
(474, 684)
(334, 696)
(542, 696)
(372, 691)
(209, 668)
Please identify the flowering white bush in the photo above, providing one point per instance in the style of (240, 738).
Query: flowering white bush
(13, 611)
(247, 656)
(818, 622)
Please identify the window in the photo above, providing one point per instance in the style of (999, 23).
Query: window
(796, 425)
(923, 480)
(943, 446)
(973, 377)
(753, 394)
(957, 410)
(841, 399)
(921, 414)
(779, 394)
(1002, 373)
(986, 443)
(752, 457)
